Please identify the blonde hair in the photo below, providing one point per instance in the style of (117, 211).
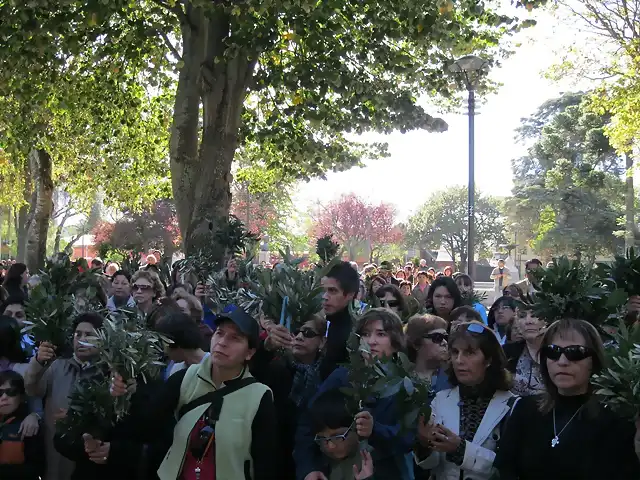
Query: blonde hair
(153, 278)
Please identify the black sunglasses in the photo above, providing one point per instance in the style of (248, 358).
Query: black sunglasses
(9, 392)
(306, 333)
(573, 353)
(437, 337)
(142, 288)
(389, 303)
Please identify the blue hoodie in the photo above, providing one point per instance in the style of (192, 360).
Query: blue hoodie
(388, 446)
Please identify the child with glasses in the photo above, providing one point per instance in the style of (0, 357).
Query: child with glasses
(336, 436)
(21, 458)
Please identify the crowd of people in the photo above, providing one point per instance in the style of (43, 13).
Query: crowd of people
(245, 398)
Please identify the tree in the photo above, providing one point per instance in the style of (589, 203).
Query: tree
(566, 194)
(357, 224)
(614, 24)
(442, 222)
(156, 228)
(74, 110)
(282, 80)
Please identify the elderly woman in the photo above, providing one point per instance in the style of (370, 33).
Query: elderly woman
(147, 289)
(460, 440)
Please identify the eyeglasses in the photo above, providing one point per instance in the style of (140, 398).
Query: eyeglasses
(573, 353)
(142, 288)
(306, 333)
(389, 303)
(9, 392)
(437, 337)
(335, 438)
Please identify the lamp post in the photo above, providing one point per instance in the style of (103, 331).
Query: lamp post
(469, 69)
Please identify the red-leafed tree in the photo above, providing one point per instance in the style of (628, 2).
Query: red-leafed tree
(357, 224)
(155, 228)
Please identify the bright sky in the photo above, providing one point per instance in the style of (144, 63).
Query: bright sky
(422, 162)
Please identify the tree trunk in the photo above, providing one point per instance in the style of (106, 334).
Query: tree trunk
(41, 208)
(630, 213)
(201, 174)
(59, 229)
(22, 216)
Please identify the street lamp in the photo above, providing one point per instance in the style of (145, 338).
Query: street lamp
(469, 69)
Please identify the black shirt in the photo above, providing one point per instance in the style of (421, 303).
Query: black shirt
(340, 326)
(595, 445)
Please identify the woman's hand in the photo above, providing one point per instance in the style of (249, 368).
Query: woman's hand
(30, 426)
(119, 388)
(364, 424)
(46, 353)
(279, 337)
(444, 440)
(425, 431)
(96, 450)
(367, 467)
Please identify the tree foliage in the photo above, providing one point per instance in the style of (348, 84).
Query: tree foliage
(283, 80)
(615, 25)
(156, 227)
(357, 224)
(567, 189)
(442, 222)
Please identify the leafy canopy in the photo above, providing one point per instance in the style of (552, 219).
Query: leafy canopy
(442, 222)
(566, 195)
(323, 69)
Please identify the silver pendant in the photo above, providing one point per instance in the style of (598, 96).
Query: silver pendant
(555, 441)
(197, 472)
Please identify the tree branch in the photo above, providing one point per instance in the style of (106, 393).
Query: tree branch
(170, 45)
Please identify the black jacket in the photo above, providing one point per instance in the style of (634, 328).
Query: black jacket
(340, 326)
(275, 372)
(33, 466)
(133, 455)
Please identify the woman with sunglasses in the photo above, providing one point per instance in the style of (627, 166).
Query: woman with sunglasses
(381, 329)
(293, 377)
(523, 356)
(147, 289)
(460, 439)
(391, 298)
(21, 457)
(427, 349)
(566, 433)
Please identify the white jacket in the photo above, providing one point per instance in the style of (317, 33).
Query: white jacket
(479, 454)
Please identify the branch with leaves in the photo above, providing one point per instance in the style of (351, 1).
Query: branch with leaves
(52, 304)
(127, 347)
(372, 378)
(91, 409)
(571, 289)
(619, 383)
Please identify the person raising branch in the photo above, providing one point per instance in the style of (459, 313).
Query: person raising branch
(226, 420)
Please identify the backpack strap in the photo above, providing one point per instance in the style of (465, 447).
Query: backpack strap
(215, 398)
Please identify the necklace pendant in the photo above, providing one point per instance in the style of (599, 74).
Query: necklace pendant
(197, 472)
(555, 441)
